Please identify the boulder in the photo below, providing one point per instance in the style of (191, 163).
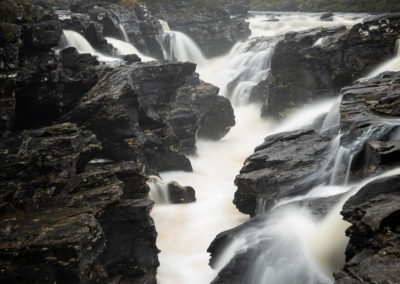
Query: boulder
(179, 194)
(286, 164)
(372, 252)
(198, 112)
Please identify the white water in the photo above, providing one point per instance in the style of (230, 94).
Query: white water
(179, 47)
(391, 65)
(76, 40)
(300, 242)
(292, 22)
(125, 48)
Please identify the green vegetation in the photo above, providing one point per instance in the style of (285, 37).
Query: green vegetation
(15, 11)
(130, 4)
(327, 5)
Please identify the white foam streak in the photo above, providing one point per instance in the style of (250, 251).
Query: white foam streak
(125, 48)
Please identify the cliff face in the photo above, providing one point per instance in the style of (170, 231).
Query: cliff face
(370, 6)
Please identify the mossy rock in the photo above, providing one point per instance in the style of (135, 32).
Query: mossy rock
(20, 11)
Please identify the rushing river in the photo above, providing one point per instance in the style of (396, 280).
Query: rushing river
(186, 231)
(299, 246)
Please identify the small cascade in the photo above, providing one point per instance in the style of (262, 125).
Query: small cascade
(391, 65)
(294, 244)
(74, 39)
(124, 34)
(243, 72)
(332, 119)
(158, 190)
(177, 46)
(125, 48)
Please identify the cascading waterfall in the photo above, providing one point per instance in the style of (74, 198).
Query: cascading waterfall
(74, 39)
(179, 47)
(295, 241)
(78, 41)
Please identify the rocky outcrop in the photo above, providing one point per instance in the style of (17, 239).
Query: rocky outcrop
(373, 249)
(207, 22)
(178, 194)
(284, 165)
(369, 113)
(142, 28)
(143, 110)
(65, 222)
(198, 112)
(317, 63)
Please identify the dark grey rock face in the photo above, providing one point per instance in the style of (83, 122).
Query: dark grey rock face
(304, 71)
(372, 253)
(284, 165)
(66, 222)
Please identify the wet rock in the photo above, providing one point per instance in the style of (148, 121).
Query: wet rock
(369, 110)
(372, 252)
(328, 16)
(286, 164)
(305, 71)
(122, 110)
(198, 112)
(90, 29)
(9, 61)
(65, 247)
(132, 58)
(143, 110)
(179, 194)
(142, 29)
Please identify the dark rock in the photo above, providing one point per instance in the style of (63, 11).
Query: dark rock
(328, 16)
(372, 252)
(304, 72)
(91, 30)
(62, 223)
(286, 164)
(142, 29)
(122, 110)
(179, 194)
(9, 61)
(368, 114)
(132, 58)
(198, 112)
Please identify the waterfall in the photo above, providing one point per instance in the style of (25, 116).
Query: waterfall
(177, 46)
(74, 39)
(158, 190)
(125, 48)
(391, 65)
(290, 236)
(78, 41)
(124, 34)
(296, 245)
